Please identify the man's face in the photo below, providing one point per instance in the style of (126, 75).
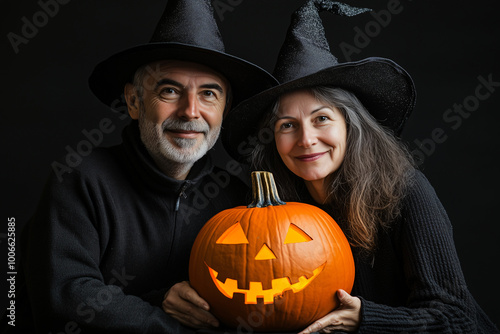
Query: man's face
(181, 111)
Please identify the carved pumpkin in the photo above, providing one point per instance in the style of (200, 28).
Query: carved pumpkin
(271, 266)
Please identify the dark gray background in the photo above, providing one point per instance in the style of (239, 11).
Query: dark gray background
(444, 45)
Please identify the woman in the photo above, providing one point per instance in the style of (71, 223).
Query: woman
(334, 144)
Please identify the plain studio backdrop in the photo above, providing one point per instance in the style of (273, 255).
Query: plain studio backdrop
(49, 48)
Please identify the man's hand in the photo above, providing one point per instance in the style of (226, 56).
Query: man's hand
(346, 317)
(183, 303)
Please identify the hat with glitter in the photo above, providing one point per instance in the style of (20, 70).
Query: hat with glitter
(305, 60)
(186, 31)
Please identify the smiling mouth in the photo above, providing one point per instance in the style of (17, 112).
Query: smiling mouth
(279, 286)
(184, 134)
(310, 157)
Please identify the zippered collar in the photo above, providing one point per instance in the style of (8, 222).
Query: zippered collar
(143, 166)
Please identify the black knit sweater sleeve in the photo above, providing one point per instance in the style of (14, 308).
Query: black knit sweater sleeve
(65, 284)
(439, 301)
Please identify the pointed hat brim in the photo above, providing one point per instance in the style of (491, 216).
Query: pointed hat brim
(109, 77)
(383, 87)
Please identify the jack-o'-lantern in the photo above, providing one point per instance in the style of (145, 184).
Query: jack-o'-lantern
(271, 266)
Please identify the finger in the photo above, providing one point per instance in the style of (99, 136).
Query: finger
(347, 301)
(189, 294)
(344, 297)
(197, 320)
(326, 324)
(328, 329)
(315, 326)
(183, 306)
(187, 312)
(192, 315)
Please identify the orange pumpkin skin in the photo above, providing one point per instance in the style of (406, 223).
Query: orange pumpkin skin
(320, 252)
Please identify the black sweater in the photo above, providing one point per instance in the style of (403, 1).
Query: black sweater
(414, 283)
(108, 241)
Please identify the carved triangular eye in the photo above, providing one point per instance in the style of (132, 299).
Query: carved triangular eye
(233, 235)
(295, 235)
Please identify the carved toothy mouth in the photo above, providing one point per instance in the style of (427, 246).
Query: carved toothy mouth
(279, 286)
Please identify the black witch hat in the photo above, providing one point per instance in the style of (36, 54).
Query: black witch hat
(187, 31)
(305, 60)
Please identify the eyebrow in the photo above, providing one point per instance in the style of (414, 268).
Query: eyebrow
(213, 86)
(312, 112)
(166, 81)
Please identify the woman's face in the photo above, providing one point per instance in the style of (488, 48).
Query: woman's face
(310, 135)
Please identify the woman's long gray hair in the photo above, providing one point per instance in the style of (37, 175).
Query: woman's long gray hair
(367, 189)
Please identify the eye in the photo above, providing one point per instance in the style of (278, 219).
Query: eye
(168, 92)
(322, 119)
(285, 127)
(233, 236)
(296, 235)
(209, 95)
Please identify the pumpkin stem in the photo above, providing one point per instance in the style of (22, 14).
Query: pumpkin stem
(264, 191)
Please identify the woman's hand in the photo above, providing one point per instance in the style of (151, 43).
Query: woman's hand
(183, 303)
(346, 317)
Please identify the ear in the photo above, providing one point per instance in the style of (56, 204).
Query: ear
(132, 101)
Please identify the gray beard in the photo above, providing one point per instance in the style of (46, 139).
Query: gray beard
(176, 156)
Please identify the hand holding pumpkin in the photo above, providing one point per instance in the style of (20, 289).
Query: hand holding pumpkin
(346, 317)
(184, 304)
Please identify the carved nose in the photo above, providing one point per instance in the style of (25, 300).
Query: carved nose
(265, 253)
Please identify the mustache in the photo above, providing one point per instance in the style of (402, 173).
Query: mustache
(173, 124)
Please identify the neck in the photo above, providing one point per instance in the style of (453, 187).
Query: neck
(317, 190)
(176, 170)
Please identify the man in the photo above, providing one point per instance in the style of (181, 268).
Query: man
(180, 110)
(107, 250)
